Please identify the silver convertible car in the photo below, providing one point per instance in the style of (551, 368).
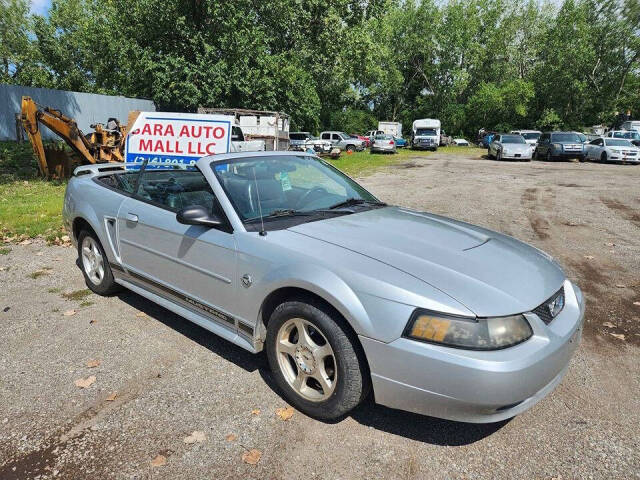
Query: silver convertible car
(283, 252)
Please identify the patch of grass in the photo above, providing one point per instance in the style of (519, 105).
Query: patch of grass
(4, 251)
(31, 208)
(363, 163)
(86, 303)
(77, 295)
(54, 290)
(38, 274)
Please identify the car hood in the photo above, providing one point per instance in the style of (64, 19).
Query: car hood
(489, 273)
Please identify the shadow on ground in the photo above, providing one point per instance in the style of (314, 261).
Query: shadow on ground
(409, 425)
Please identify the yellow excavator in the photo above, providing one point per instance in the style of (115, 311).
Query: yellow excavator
(105, 144)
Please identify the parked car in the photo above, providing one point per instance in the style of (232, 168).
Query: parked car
(280, 251)
(383, 144)
(298, 139)
(460, 142)
(509, 147)
(631, 135)
(400, 142)
(612, 150)
(559, 145)
(583, 137)
(343, 141)
(530, 136)
(365, 139)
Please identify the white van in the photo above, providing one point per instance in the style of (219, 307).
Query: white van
(631, 125)
(425, 134)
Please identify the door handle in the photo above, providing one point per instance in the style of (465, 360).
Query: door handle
(132, 217)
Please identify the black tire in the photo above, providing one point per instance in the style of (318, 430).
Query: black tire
(353, 379)
(350, 148)
(107, 285)
(499, 155)
(581, 159)
(549, 156)
(603, 157)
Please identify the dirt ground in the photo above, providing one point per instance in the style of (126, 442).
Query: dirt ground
(171, 378)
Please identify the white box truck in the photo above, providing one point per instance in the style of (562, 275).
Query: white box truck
(391, 128)
(425, 134)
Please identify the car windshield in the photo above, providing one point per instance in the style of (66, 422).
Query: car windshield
(298, 136)
(531, 135)
(565, 137)
(383, 137)
(287, 183)
(425, 131)
(344, 136)
(618, 142)
(512, 139)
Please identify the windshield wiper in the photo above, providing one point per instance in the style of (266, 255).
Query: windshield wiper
(288, 212)
(356, 201)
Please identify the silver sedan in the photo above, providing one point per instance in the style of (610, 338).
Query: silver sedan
(280, 251)
(510, 147)
(383, 144)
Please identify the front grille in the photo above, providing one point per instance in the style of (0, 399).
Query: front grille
(544, 311)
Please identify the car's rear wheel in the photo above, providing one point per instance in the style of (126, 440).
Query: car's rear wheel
(95, 265)
(316, 362)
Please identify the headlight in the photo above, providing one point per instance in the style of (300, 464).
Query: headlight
(616, 151)
(465, 332)
(557, 146)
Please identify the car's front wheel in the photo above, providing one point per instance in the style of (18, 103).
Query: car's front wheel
(95, 265)
(316, 361)
(350, 148)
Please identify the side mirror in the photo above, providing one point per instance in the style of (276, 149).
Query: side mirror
(198, 215)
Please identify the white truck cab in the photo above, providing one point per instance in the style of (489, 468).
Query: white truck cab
(425, 134)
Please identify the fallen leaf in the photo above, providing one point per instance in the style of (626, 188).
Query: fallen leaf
(111, 397)
(285, 413)
(252, 456)
(92, 321)
(230, 438)
(255, 411)
(637, 304)
(68, 313)
(93, 363)
(610, 244)
(25, 242)
(65, 238)
(589, 257)
(39, 254)
(195, 437)
(619, 285)
(159, 461)
(619, 336)
(608, 325)
(85, 382)
(141, 314)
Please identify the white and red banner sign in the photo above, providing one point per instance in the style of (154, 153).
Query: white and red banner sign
(180, 138)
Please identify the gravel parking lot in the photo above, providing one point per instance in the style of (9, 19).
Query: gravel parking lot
(159, 378)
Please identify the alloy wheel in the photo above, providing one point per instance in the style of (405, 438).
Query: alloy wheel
(306, 360)
(92, 260)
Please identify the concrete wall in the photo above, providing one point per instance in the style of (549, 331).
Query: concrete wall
(85, 108)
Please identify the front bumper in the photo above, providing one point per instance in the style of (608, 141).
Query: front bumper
(477, 386)
(570, 154)
(523, 155)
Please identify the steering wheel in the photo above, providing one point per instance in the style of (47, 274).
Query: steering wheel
(308, 193)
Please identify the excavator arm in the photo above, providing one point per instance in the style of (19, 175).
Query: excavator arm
(102, 145)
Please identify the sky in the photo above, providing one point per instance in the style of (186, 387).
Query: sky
(40, 7)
